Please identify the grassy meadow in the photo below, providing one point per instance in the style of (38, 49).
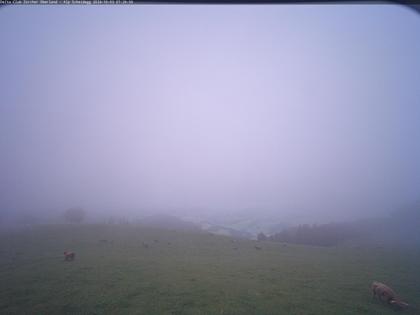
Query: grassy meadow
(181, 272)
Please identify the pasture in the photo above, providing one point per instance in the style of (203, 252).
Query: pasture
(138, 270)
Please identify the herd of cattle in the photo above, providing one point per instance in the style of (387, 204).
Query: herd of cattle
(379, 290)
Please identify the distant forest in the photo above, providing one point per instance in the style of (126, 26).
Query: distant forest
(400, 228)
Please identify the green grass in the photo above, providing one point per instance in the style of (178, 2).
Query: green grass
(191, 273)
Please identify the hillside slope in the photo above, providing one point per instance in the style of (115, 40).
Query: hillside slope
(138, 270)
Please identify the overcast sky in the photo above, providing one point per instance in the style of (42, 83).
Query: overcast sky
(309, 110)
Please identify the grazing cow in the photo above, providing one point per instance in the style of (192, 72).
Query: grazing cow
(258, 248)
(387, 295)
(145, 245)
(69, 256)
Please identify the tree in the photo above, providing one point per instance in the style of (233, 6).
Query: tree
(261, 237)
(74, 215)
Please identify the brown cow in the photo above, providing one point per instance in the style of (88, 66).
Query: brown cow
(387, 295)
(69, 256)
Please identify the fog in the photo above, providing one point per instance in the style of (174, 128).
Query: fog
(304, 113)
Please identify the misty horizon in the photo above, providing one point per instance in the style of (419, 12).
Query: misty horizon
(305, 113)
